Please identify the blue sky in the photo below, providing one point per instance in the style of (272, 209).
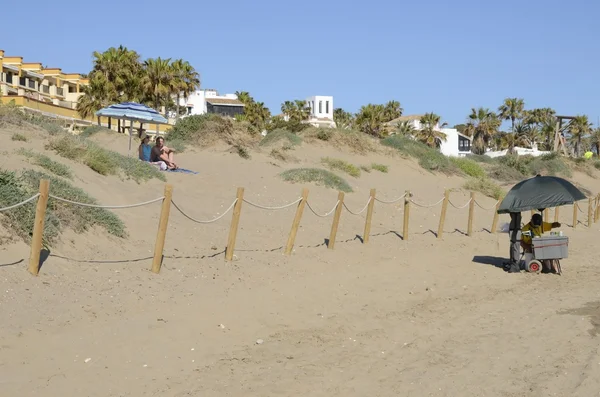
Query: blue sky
(440, 56)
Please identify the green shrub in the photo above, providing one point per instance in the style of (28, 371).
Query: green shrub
(504, 173)
(469, 167)
(103, 161)
(59, 216)
(480, 158)
(243, 152)
(317, 176)
(430, 159)
(366, 168)
(284, 136)
(47, 163)
(324, 135)
(18, 137)
(341, 165)
(597, 164)
(11, 114)
(380, 167)
(485, 186)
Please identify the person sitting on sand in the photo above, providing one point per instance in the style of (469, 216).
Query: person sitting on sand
(535, 228)
(162, 153)
(145, 151)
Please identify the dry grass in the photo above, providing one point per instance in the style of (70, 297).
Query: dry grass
(18, 137)
(210, 129)
(356, 141)
(47, 163)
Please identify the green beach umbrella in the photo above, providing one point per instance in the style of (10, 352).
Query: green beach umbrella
(540, 192)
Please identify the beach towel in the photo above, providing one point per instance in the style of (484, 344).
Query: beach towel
(183, 170)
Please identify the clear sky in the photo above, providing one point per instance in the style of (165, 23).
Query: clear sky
(431, 55)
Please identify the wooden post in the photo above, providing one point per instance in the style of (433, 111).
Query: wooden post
(575, 215)
(38, 228)
(495, 220)
(296, 223)
(556, 214)
(369, 217)
(596, 212)
(163, 224)
(235, 222)
(336, 220)
(471, 213)
(443, 214)
(590, 206)
(407, 197)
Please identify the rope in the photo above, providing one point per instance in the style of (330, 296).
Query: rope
(487, 209)
(327, 214)
(106, 206)
(361, 211)
(273, 208)
(460, 208)
(393, 201)
(579, 208)
(210, 221)
(21, 203)
(426, 206)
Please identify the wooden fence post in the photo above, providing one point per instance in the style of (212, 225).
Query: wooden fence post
(471, 213)
(556, 214)
(596, 213)
(163, 224)
(38, 228)
(235, 222)
(495, 220)
(369, 216)
(590, 213)
(407, 197)
(336, 220)
(575, 215)
(443, 214)
(296, 223)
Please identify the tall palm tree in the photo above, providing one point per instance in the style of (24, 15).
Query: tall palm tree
(185, 80)
(429, 133)
(244, 97)
(370, 120)
(595, 140)
(526, 134)
(156, 82)
(512, 109)
(579, 128)
(482, 125)
(392, 110)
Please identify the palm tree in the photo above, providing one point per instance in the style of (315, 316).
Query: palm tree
(579, 128)
(185, 80)
(595, 140)
(342, 118)
(405, 128)
(429, 133)
(297, 113)
(370, 119)
(392, 110)
(156, 82)
(512, 109)
(244, 97)
(510, 140)
(482, 125)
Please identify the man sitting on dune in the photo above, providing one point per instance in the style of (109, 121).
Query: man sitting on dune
(162, 153)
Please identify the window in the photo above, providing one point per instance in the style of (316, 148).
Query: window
(320, 106)
(23, 81)
(327, 107)
(464, 145)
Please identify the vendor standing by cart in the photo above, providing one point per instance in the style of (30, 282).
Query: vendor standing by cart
(535, 228)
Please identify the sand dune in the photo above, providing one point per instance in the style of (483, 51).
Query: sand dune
(422, 317)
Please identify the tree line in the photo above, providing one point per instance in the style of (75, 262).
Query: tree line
(119, 75)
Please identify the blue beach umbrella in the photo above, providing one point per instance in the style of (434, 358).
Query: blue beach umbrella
(133, 112)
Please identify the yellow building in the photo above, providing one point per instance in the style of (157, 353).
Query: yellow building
(48, 91)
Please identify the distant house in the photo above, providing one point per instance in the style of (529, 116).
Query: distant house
(456, 144)
(209, 101)
(321, 111)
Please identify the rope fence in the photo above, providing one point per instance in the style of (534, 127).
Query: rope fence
(236, 207)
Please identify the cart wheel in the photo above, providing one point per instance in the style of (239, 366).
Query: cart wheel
(533, 266)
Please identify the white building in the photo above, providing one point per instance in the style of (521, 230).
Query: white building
(521, 151)
(321, 111)
(456, 144)
(209, 101)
